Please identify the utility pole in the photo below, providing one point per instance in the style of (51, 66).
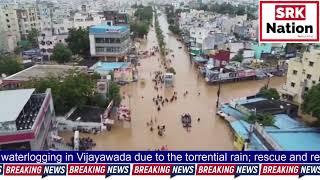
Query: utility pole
(218, 94)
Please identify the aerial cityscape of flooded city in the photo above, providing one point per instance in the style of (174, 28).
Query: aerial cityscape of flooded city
(148, 75)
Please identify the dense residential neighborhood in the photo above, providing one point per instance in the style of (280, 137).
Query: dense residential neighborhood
(144, 74)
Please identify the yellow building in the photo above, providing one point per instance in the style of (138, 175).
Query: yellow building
(303, 73)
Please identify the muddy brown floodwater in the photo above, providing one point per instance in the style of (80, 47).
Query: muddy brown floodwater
(211, 133)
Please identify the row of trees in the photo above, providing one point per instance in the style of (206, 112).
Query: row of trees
(227, 8)
(160, 36)
(171, 18)
(141, 22)
(75, 89)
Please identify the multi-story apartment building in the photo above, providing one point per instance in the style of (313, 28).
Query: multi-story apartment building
(45, 11)
(9, 27)
(303, 73)
(109, 42)
(28, 19)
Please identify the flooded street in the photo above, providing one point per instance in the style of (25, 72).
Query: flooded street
(211, 133)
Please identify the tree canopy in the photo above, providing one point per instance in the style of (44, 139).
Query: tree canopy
(311, 103)
(269, 93)
(264, 119)
(114, 94)
(61, 53)
(73, 90)
(160, 36)
(139, 25)
(171, 70)
(9, 65)
(139, 29)
(33, 37)
(238, 58)
(78, 41)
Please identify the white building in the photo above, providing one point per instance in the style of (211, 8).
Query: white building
(85, 20)
(303, 73)
(47, 43)
(9, 28)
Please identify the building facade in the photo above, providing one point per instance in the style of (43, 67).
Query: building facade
(9, 28)
(303, 73)
(116, 18)
(109, 42)
(28, 19)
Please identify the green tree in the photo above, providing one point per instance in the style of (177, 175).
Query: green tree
(114, 94)
(295, 47)
(311, 103)
(75, 89)
(264, 119)
(171, 70)
(33, 37)
(238, 58)
(269, 93)
(78, 41)
(175, 29)
(9, 65)
(139, 29)
(61, 53)
(141, 22)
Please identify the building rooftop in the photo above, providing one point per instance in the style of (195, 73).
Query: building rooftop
(41, 71)
(103, 28)
(102, 67)
(268, 106)
(87, 114)
(13, 102)
(304, 140)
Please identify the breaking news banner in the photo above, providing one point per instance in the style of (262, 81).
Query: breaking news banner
(231, 164)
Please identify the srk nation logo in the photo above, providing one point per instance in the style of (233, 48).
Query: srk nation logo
(289, 21)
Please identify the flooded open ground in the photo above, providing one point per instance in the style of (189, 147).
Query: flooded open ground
(210, 133)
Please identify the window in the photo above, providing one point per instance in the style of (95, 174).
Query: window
(293, 84)
(295, 72)
(9, 26)
(100, 49)
(313, 82)
(8, 20)
(99, 40)
(7, 15)
(306, 89)
(311, 63)
(309, 76)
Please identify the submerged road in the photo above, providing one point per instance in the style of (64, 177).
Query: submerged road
(210, 133)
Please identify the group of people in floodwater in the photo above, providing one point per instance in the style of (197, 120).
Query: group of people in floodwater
(158, 80)
(161, 101)
(161, 128)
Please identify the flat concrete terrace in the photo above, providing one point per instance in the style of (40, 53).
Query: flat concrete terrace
(42, 71)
